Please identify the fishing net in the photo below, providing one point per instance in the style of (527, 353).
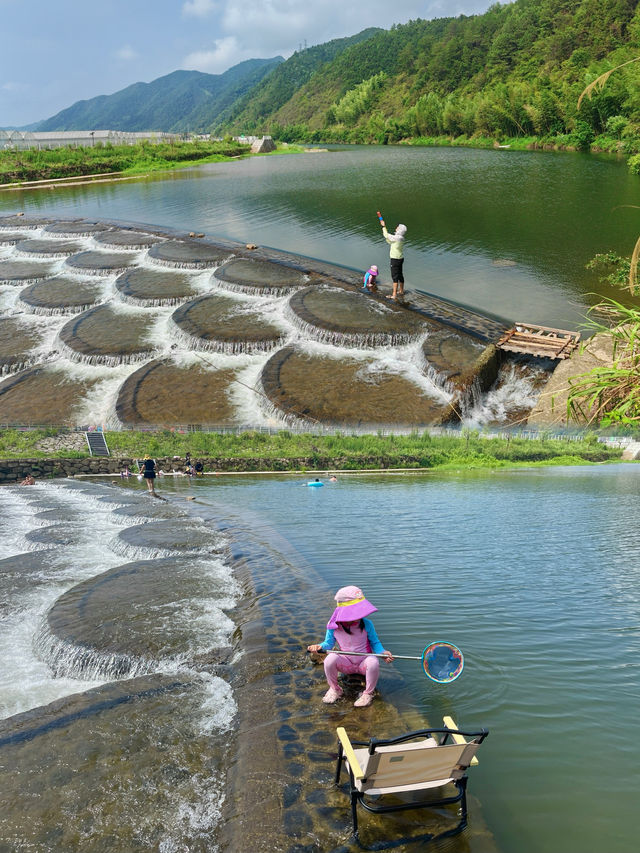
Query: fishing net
(442, 662)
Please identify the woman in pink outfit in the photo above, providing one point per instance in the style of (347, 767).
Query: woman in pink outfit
(349, 628)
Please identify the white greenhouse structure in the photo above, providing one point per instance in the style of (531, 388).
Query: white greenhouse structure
(23, 139)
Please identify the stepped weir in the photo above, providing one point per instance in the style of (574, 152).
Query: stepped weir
(110, 319)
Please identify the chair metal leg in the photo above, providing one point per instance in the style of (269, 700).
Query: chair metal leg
(463, 802)
(354, 814)
(339, 765)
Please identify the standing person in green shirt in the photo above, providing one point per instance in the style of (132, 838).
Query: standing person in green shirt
(396, 256)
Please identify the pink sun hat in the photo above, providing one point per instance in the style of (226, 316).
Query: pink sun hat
(352, 605)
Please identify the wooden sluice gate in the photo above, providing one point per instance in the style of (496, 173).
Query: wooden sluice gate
(541, 341)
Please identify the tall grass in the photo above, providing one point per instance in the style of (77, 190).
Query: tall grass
(285, 450)
(610, 394)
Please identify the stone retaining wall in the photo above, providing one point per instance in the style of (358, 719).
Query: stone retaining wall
(14, 470)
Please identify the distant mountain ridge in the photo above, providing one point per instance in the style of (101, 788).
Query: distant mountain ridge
(178, 102)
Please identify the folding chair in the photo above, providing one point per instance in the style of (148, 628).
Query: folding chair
(425, 760)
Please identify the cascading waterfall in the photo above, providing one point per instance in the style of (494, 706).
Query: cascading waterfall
(76, 661)
(194, 343)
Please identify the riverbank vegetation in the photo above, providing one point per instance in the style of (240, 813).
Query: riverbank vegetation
(610, 395)
(285, 450)
(42, 164)
(513, 74)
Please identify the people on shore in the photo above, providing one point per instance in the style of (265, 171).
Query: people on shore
(199, 468)
(148, 471)
(396, 257)
(353, 632)
(370, 280)
(125, 472)
(29, 480)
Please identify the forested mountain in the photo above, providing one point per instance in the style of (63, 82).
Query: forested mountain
(181, 101)
(283, 83)
(516, 70)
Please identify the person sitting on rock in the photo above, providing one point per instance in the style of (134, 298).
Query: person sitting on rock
(28, 481)
(370, 280)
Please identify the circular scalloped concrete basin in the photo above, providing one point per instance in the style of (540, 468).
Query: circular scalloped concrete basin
(104, 336)
(100, 263)
(75, 229)
(16, 342)
(23, 272)
(10, 238)
(180, 253)
(142, 286)
(27, 222)
(48, 248)
(41, 396)
(349, 318)
(167, 539)
(307, 387)
(162, 391)
(223, 324)
(60, 295)
(135, 240)
(114, 763)
(453, 358)
(137, 611)
(263, 278)
(152, 511)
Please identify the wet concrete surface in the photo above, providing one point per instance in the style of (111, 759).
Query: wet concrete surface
(161, 391)
(344, 391)
(105, 336)
(41, 394)
(222, 324)
(143, 286)
(61, 295)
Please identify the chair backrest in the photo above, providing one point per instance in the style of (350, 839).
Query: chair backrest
(417, 763)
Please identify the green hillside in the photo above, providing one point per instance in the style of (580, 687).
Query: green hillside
(515, 71)
(181, 101)
(251, 111)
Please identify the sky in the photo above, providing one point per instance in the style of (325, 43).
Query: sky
(57, 52)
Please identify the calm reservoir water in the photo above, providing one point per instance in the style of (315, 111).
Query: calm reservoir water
(505, 232)
(533, 573)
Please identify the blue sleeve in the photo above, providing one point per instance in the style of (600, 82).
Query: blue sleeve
(376, 646)
(329, 640)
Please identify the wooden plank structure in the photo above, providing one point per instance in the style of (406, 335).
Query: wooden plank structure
(540, 341)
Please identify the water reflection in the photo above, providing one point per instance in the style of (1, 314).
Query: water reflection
(547, 212)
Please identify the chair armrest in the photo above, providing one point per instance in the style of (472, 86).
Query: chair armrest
(457, 737)
(349, 753)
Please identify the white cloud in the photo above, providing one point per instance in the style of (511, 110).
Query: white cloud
(245, 29)
(11, 86)
(225, 53)
(198, 8)
(126, 53)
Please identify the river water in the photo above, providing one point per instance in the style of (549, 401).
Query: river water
(504, 232)
(533, 573)
(122, 618)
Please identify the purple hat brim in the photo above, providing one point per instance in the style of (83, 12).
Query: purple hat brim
(350, 613)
